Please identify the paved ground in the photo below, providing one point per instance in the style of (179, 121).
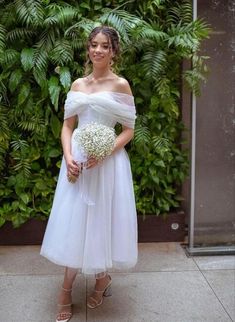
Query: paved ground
(165, 286)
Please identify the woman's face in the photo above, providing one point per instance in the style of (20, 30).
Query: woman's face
(100, 52)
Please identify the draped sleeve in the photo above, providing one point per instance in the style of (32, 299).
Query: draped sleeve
(73, 104)
(126, 113)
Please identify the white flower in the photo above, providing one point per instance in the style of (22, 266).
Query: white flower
(97, 140)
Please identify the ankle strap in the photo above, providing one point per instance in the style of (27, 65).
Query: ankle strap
(65, 289)
(101, 275)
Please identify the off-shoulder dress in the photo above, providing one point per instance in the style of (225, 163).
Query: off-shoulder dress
(93, 224)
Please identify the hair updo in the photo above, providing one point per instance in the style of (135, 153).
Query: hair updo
(113, 39)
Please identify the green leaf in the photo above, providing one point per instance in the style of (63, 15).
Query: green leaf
(54, 90)
(159, 163)
(85, 5)
(27, 55)
(24, 93)
(53, 153)
(40, 77)
(65, 77)
(24, 197)
(15, 79)
(2, 221)
(55, 126)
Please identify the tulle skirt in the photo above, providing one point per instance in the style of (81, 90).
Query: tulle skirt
(93, 224)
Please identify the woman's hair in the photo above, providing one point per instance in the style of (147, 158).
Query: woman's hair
(113, 39)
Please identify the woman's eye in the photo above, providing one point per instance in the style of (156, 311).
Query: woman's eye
(93, 45)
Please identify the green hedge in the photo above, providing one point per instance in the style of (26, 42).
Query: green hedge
(42, 49)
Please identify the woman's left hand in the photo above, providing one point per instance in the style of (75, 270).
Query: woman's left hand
(91, 163)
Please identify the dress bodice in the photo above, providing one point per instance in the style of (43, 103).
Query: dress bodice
(104, 107)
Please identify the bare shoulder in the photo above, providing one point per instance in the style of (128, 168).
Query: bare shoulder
(76, 85)
(122, 86)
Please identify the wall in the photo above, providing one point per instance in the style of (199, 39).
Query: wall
(215, 138)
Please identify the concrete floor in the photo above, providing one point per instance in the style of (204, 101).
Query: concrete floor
(165, 286)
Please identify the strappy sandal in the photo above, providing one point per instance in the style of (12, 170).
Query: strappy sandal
(64, 316)
(94, 302)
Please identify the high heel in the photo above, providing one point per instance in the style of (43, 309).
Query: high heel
(94, 302)
(64, 316)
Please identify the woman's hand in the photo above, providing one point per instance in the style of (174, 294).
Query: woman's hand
(73, 167)
(91, 163)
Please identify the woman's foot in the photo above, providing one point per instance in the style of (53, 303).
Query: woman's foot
(64, 305)
(102, 288)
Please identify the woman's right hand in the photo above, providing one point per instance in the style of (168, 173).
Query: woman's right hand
(73, 167)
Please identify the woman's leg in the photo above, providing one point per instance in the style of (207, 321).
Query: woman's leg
(102, 279)
(102, 288)
(65, 296)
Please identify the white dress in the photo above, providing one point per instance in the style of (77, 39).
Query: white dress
(93, 224)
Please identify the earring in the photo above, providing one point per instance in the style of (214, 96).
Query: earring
(111, 62)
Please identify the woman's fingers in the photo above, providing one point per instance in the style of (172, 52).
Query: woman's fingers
(73, 168)
(92, 162)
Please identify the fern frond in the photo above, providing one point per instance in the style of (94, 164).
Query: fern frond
(122, 21)
(193, 79)
(3, 151)
(183, 36)
(180, 12)
(19, 33)
(4, 124)
(40, 59)
(84, 25)
(2, 37)
(160, 143)
(60, 15)
(145, 31)
(3, 91)
(153, 63)
(7, 13)
(10, 57)
(35, 124)
(62, 52)
(162, 86)
(30, 12)
(46, 40)
(197, 75)
(19, 144)
(142, 135)
(22, 165)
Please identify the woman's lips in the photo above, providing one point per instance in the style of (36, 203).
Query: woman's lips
(98, 57)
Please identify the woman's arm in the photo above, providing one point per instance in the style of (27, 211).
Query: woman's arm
(123, 138)
(127, 133)
(66, 133)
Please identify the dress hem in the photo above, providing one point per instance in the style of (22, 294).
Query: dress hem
(91, 271)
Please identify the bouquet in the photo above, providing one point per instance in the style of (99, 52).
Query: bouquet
(95, 140)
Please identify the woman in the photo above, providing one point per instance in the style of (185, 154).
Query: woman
(92, 226)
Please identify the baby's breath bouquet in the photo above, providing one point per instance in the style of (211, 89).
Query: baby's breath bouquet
(97, 140)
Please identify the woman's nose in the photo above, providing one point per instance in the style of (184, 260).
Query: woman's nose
(98, 49)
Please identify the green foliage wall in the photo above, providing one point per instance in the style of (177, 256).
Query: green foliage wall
(42, 49)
